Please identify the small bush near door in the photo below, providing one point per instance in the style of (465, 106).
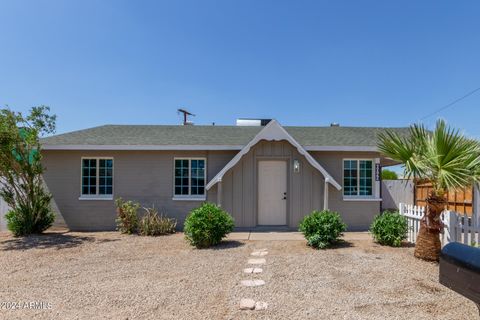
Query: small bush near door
(389, 228)
(153, 224)
(322, 228)
(127, 218)
(206, 225)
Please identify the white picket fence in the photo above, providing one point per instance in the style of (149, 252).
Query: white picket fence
(458, 228)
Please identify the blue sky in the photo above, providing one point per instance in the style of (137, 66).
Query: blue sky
(359, 63)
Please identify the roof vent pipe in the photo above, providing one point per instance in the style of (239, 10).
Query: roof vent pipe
(186, 113)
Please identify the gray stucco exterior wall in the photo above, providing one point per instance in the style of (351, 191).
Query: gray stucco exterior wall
(147, 177)
(144, 176)
(358, 215)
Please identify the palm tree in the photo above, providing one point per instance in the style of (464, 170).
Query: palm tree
(447, 159)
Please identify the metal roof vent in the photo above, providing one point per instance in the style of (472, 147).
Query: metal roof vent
(334, 124)
(252, 122)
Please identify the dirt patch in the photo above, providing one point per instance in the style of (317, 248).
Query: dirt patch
(108, 275)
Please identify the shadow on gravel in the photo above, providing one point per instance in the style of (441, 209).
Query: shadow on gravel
(228, 244)
(44, 241)
(408, 245)
(106, 240)
(342, 244)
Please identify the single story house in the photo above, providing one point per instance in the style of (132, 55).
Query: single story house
(264, 175)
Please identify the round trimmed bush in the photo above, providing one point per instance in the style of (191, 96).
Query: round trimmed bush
(206, 225)
(389, 228)
(322, 228)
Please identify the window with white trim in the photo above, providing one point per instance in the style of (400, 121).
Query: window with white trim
(97, 177)
(357, 177)
(189, 177)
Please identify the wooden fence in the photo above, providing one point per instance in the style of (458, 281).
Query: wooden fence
(460, 201)
(458, 227)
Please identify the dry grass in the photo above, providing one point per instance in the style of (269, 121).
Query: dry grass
(108, 275)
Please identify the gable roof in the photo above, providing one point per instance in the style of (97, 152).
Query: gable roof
(273, 131)
(166, 137)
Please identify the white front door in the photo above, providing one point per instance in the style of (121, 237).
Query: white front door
(272, 192)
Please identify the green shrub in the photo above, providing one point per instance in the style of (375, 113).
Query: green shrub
(389, 228)
(206, 225)
(21, 170)
(127, 218)
(153, 224)
(24, 220)
(389, 175)
(322, 228)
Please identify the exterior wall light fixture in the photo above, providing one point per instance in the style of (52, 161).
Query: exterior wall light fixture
(296, 166)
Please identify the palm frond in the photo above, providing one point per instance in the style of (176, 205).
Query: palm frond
(445, 157)
(405, 150)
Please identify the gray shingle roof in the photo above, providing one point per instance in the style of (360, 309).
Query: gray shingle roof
(166, 135)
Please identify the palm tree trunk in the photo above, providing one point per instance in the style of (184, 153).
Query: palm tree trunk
(428, 243)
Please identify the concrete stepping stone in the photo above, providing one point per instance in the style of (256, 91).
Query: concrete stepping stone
(260, 305)
(247, 304)
(252, 283)
(257, 270)
(259, 253)
(257, 261)
(252, 270)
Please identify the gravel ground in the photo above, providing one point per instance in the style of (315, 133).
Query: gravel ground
(111, 276)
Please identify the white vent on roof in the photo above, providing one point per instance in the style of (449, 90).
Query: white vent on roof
(252, 122)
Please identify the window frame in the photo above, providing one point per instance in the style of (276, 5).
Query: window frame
(97, 196)
(189, 196)
(358, 196)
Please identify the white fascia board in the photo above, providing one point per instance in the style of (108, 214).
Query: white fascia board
(273, 131)
(342, 148)
(141, 147)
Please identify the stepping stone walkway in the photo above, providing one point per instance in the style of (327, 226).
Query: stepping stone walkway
(257, 261)
(253, 283)
(250, 304)
(259, 253)
(247, 304)
(260, 305)
(252, 270)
